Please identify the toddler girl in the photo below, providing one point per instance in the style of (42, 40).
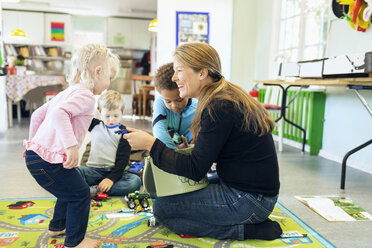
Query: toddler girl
(57, 130)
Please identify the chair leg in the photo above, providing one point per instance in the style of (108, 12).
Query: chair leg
(280, 134)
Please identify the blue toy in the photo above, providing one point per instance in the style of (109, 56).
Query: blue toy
(136, 166)
(122, 131)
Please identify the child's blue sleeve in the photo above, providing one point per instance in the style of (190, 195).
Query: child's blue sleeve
(160, 123)
(188, 136)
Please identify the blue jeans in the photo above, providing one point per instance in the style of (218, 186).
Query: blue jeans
(217, 211)
(71, 211)
(127, 184)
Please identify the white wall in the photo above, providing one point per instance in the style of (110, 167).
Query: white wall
(253, 41)
(244, 42)
(220, 14)
(347, 123)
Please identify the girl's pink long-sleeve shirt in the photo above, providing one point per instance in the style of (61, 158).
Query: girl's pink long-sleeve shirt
(61, 123)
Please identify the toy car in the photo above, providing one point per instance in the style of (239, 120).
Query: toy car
(159, 244)
(99, 196)
(122, 131)
(152, 222)
(136, 166)
(138, 198)
(94, 203)
(21, 205)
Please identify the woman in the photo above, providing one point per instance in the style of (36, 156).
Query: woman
(231, 129)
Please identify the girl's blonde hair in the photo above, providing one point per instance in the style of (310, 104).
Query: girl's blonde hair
(200, 56)
(111, 100)
(84, 61)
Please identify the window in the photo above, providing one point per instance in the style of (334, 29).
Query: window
(303, 29)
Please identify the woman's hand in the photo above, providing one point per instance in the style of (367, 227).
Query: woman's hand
(139, 140)
(105, 185)
(72, 157)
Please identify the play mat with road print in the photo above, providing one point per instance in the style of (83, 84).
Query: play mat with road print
(24, 223)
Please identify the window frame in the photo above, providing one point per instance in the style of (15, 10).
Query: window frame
(281, 53)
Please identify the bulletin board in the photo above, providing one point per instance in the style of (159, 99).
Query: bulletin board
(192, 27)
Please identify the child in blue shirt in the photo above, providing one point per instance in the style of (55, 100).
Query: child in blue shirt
(172, 114)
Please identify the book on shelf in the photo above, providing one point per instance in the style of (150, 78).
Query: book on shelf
(38, 51)
(53, 51)
(24, 52)
(10, 50)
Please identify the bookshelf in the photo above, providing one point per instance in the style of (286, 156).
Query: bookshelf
(42, 59)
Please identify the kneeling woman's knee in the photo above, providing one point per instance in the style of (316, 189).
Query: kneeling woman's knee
(160, 209)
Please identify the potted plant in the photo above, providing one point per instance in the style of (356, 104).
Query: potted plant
(19, 64)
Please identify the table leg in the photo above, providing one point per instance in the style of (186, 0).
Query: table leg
(343, 170)
(19, 111)
(283, 109)
(10, 112)
(284, 99)
(347, 155)
(144, 104)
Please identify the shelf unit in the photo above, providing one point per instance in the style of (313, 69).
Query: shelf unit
(43, 59)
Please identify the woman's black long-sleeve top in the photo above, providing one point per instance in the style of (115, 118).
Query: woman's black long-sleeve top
(245, 161)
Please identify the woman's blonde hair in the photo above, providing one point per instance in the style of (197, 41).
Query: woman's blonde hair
(111, 100)
(84, 60)
(200, 56)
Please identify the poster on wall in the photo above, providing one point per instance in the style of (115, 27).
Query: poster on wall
(192, 27)
(57, 31)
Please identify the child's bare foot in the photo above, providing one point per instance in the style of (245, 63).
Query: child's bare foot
(88, 243)
(56, 233)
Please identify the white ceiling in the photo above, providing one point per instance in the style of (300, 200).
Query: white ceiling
(127, 8)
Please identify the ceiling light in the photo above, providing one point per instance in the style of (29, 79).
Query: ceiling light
(18, 33)
(153, 26)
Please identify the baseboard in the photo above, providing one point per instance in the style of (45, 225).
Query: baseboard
(327, 155)
(292, 143)
(350, 162)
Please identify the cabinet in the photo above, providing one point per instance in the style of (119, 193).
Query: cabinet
(128, 33)
(30, 22)
(50, 29)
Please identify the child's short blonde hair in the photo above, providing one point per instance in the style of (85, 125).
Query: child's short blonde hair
(84, 61)
(110, 100)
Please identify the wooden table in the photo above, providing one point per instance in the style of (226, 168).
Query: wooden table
(354, 84)
(138, 77)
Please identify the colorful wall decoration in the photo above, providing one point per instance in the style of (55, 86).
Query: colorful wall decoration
(356, 12)
(192, 27)
(57, 31)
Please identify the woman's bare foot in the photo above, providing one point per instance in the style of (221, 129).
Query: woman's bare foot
(56, 233)
(88, 243)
